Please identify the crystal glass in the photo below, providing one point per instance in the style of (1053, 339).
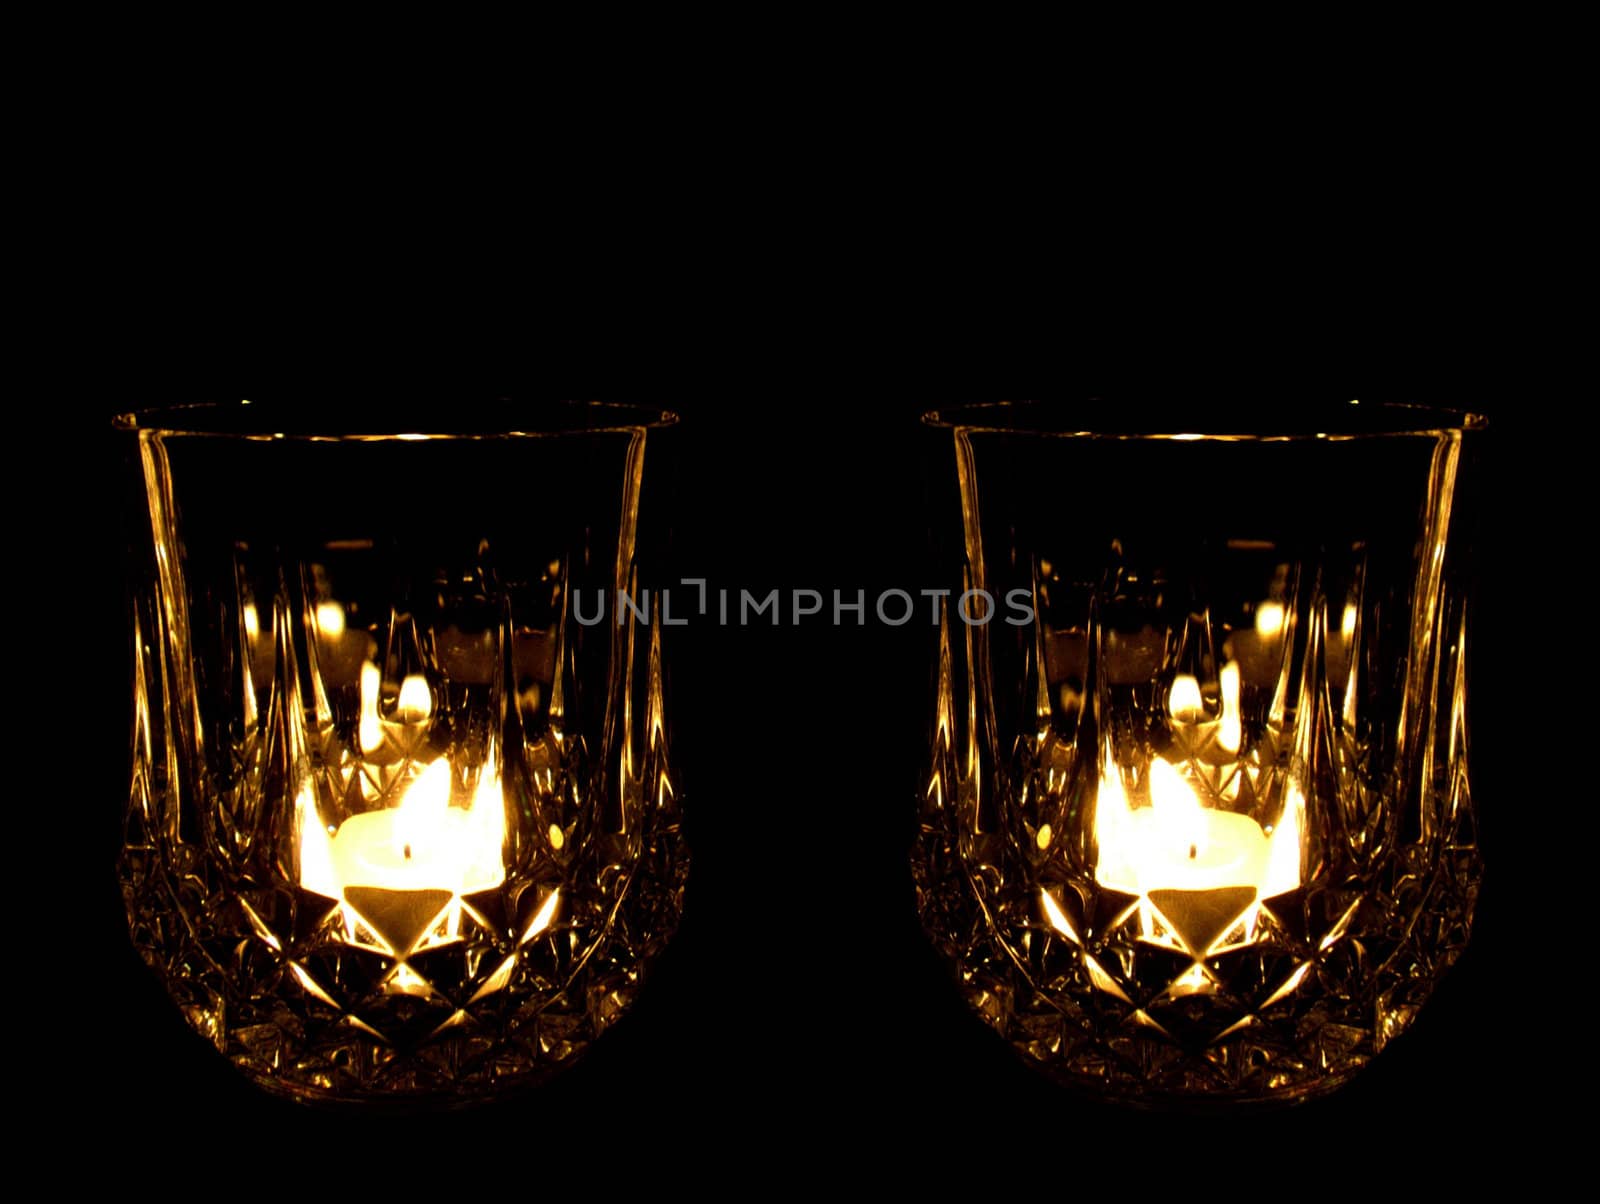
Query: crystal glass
(1198, 824)
(402, 823)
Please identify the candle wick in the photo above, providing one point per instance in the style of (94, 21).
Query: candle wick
(408, 853)
(1194, 851)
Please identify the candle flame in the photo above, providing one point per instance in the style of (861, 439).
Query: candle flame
(423, 843)
(371, 731)
(1172, 841)
(252, 621)
(1183, 700)
(1228, 736)
(1182, 817)
(420, 822)
(1269, 619)
(416, 700)
(330, 619)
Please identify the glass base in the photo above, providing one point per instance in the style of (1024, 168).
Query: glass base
(1292, 997)
(493, 992)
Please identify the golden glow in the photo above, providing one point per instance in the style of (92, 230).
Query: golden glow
(361, 1026)
(1289, 984)
(542, 917)
(1197, 872)
(1179, 844)
(1180, 817)
(330, 619)
(1347, 621)
(496, 981)
(1238, 1026)
(557, 836)
(403, 980)
(259, 927)
(455, 1020)
(316, 847)
(1183, 700)
(1146, 1020)
(1057, 917)
(416, 700)
(1196, 980)
(1340, 927)
(421, 814)
(1042, 839)
(1269, 620)
(252, 621)
(487, 818)
(424, 844)
(371, 731)
(1283, 857)
(1228, 735)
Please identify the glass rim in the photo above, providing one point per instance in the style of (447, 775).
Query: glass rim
(1229, 422)
(401, 421)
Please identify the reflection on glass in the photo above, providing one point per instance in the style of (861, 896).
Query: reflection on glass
(398, 828)
(1203, 828)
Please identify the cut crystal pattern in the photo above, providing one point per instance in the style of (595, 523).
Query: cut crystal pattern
(1321, 720)
(288, 700)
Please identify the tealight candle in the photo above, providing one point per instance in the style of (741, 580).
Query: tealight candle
(423, 844)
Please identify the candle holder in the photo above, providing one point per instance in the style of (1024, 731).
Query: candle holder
(1198, 824)
(402, 823)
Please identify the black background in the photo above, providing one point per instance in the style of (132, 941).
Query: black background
(799, 1017)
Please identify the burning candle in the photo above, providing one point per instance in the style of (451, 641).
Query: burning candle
(1176, 843)
(401, 872)
(425, 843)
(1198, 871)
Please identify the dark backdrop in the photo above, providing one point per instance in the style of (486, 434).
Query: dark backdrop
(799, 1018)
